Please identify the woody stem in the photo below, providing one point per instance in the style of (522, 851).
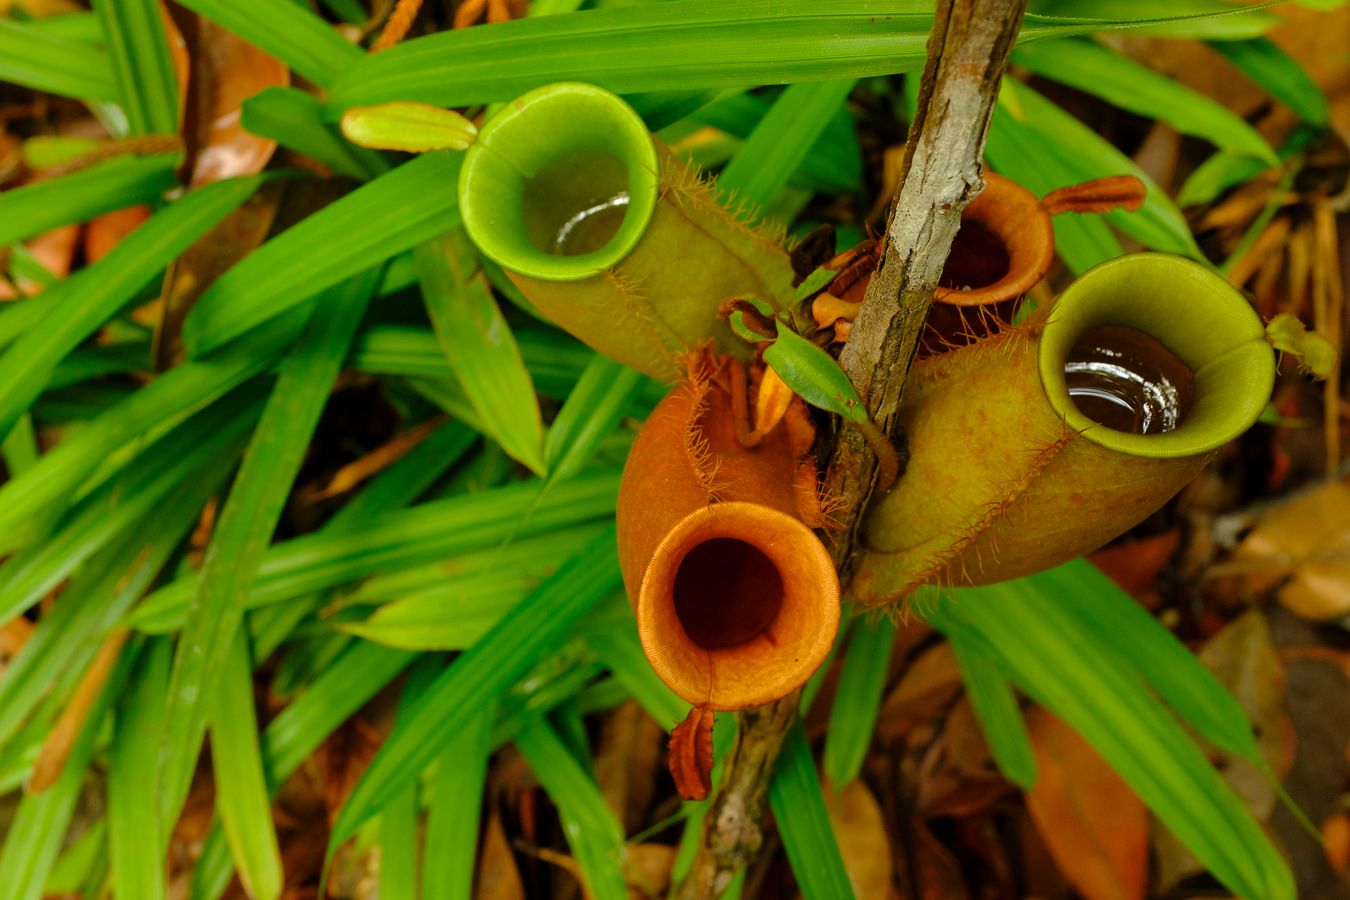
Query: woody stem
(967, 54)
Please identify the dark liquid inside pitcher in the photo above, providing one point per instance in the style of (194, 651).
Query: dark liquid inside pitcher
(1128, 381)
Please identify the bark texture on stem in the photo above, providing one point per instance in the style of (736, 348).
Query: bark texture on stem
(967, 55)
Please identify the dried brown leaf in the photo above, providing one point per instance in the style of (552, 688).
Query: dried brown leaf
(691, 754)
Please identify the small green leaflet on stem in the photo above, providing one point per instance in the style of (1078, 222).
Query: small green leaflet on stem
(411, 127)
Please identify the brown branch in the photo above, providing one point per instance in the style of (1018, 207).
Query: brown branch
(967, 54)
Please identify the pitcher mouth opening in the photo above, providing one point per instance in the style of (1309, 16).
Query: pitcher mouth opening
(1174, 327)
(739, 605)
(560, 184)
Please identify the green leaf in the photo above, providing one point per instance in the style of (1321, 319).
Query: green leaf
(202, 447)
(410, 127)
(385, 217)
(246, 523)
(453, 806)
(1122, 82)
(288, 31)
(38, 207)
(139, 50)
(38, 828)
(1261, 60)
(798, 806)
(995, 706)
(1077, 153)
(1217, 174)
(97, 596)
(781, 140)
(110, 439)
(299, 729)
(241, 791)
(1041, 646)
(482, 351)
(399, 846)
(293, 118)
(611, 633)
(32, 58)
(483, 673)
(593, 833)
(79, 305)
(1164, 18)
(676, 49)
(591, 412)
(1116, 622)
(813, 375)
(134, 836)
(423, 534)
(857, 700)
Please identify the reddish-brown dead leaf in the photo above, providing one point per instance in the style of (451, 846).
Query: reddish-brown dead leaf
(691, 754)
(13, 635)
(374, 462)
(1093, 824)
(937, 874)
(927, 688)
(226, 71)
(1307, 538)
(1134, 565)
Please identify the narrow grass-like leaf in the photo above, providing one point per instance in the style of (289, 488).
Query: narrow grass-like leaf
(293, 118)
(1107, 703)
(399, 826)
(299, 729)
(453, 806)
(19, 449)
(555, 361)
(387, 216)
(406, 480)
(697, 45)
(1081, 154)
(1122, 82)
(133, 826)
(139, 49)
(78, 869)
(1262, 60)
(481, 675)
(289, 31)
(592, 410)
(798, 806)
(83, 302)
(857, 700)
(242, 798)
(523, 562)
(1163, 18)
(779, 144)
(34, 58)
(36, 832)
(80, 196)
(1217, 174)
(97, 596)
(247, 520)
(203, 444)
(593, 833)
(482, 351)
(424, 534)
(615, 641)
(995, 706)
(110, 438)
(307, 658)
(1115, 621)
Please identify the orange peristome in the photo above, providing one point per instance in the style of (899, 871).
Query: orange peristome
(737, 600)
(1005, 246)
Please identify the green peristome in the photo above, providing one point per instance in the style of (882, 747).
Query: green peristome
(1007, 477)
(607, 233)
